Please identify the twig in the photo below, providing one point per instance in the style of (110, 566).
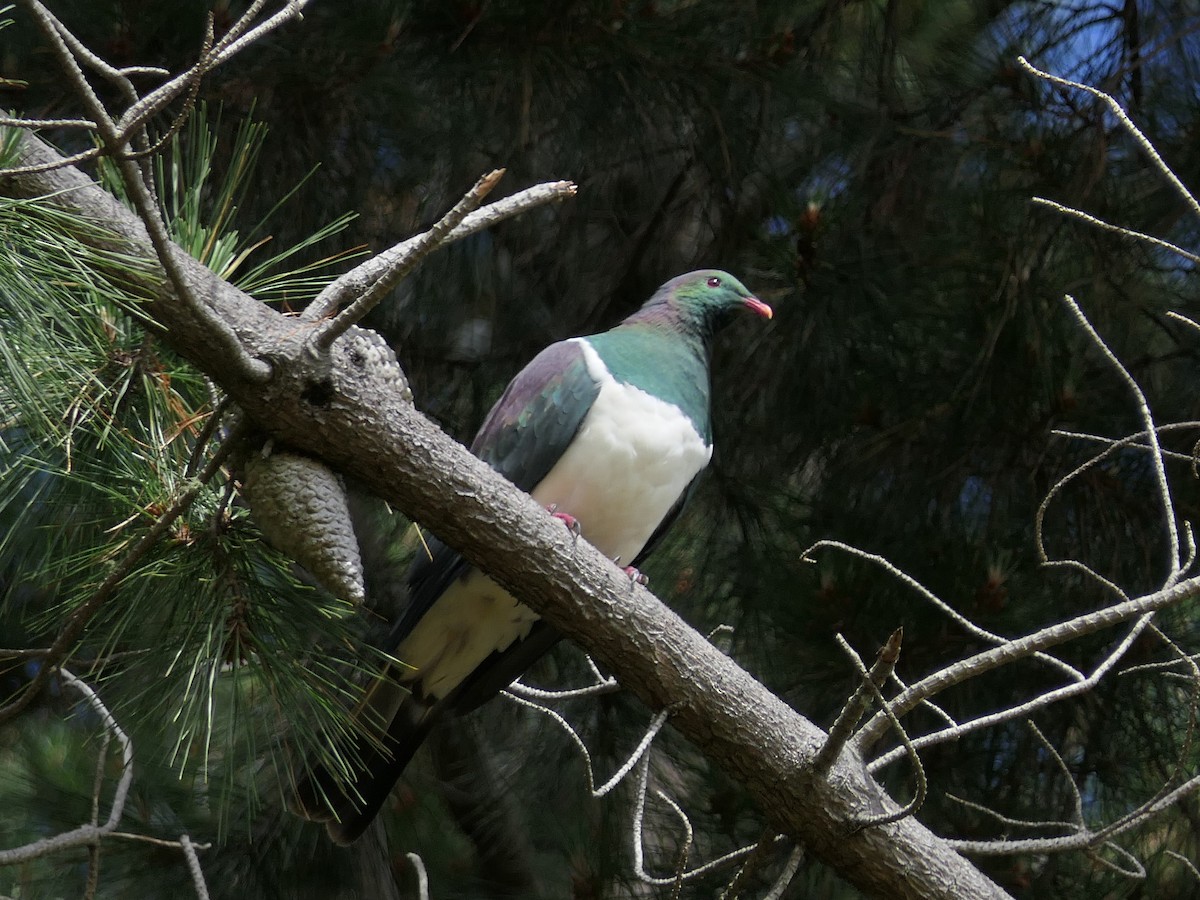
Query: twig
(84, 835)
(330, 330)
(1188, 864)
(785, 877)
(10, 122)
(206, 433)
(193, 864)
(928, 704)
(236, 39)
(601, 684)
(1133, 441)
(1019, 648)
(1147, 417)
(1124, 119)
(843, 727)
(918, 770)
(361, 277)
(1115, 229)
(685, 848)
(1185, 752)
(1008, 821)
(605, 686)
(655, 725)
(1179, 317)
(418, 865)
(254, 370)
(752, 864)
(639, 868)
(955, 616)
(93, 878)
(1080, 838)
(118, 77)
(969, 668)
(157, 842)
(1189, 734)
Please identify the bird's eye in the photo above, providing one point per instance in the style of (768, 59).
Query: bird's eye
(714, 281)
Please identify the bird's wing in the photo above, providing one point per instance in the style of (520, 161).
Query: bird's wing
(538, 415)
(528, 429)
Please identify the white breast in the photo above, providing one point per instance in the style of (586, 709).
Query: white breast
(632, 459)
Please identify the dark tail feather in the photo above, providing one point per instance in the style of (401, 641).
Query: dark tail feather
(348, 806)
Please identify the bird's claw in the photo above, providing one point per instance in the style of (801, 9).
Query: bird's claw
(567, 519)
(635, 576)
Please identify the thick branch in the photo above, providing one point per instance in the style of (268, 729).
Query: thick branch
(362, 429)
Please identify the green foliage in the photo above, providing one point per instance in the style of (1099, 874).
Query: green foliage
(206, 650)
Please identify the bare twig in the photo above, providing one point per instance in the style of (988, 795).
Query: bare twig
(359, 279)
(84, 835)
(1080, 839)
(1187, 863)
(146, 839)
(254, 370)
(93, 877)
(118, 77)
(239, 36)
(928, 704)
(919, 770)
(604, 686)
(1115, 229)
(652, 730)
(1151, 432)
(193, 864)
(61, 162)
(1076, 797)
(967, 668)
(685, 845)
(1183, 759)
(639, 867)
(762, 849)
(329, 331)
(785, 877)
(1019, 648)
(1124, 119)
(221, 407)
(10, 122)
(882, 669)
(1134, 441)
(954, 615)
(418, 865)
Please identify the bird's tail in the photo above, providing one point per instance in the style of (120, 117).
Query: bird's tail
(347, 802)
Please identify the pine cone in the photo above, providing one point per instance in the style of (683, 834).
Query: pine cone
(367, 350)
(300, 505)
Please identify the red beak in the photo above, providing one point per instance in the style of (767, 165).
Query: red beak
(758, 306)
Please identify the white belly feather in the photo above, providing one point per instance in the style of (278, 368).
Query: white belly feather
(632, 459)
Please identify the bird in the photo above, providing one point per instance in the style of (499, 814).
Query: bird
(609, 432)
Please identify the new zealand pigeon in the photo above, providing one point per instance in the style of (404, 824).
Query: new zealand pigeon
(608, 431)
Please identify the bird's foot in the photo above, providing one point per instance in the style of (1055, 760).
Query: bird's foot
(567, 519)
(635, 576)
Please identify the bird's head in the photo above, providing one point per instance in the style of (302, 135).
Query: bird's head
(700, 302)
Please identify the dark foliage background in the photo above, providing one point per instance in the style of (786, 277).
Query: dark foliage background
(866, 167)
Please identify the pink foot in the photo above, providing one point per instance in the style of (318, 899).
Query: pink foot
(567, 519)
(635, 576)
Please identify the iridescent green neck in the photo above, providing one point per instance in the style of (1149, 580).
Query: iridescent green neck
(664, 363)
